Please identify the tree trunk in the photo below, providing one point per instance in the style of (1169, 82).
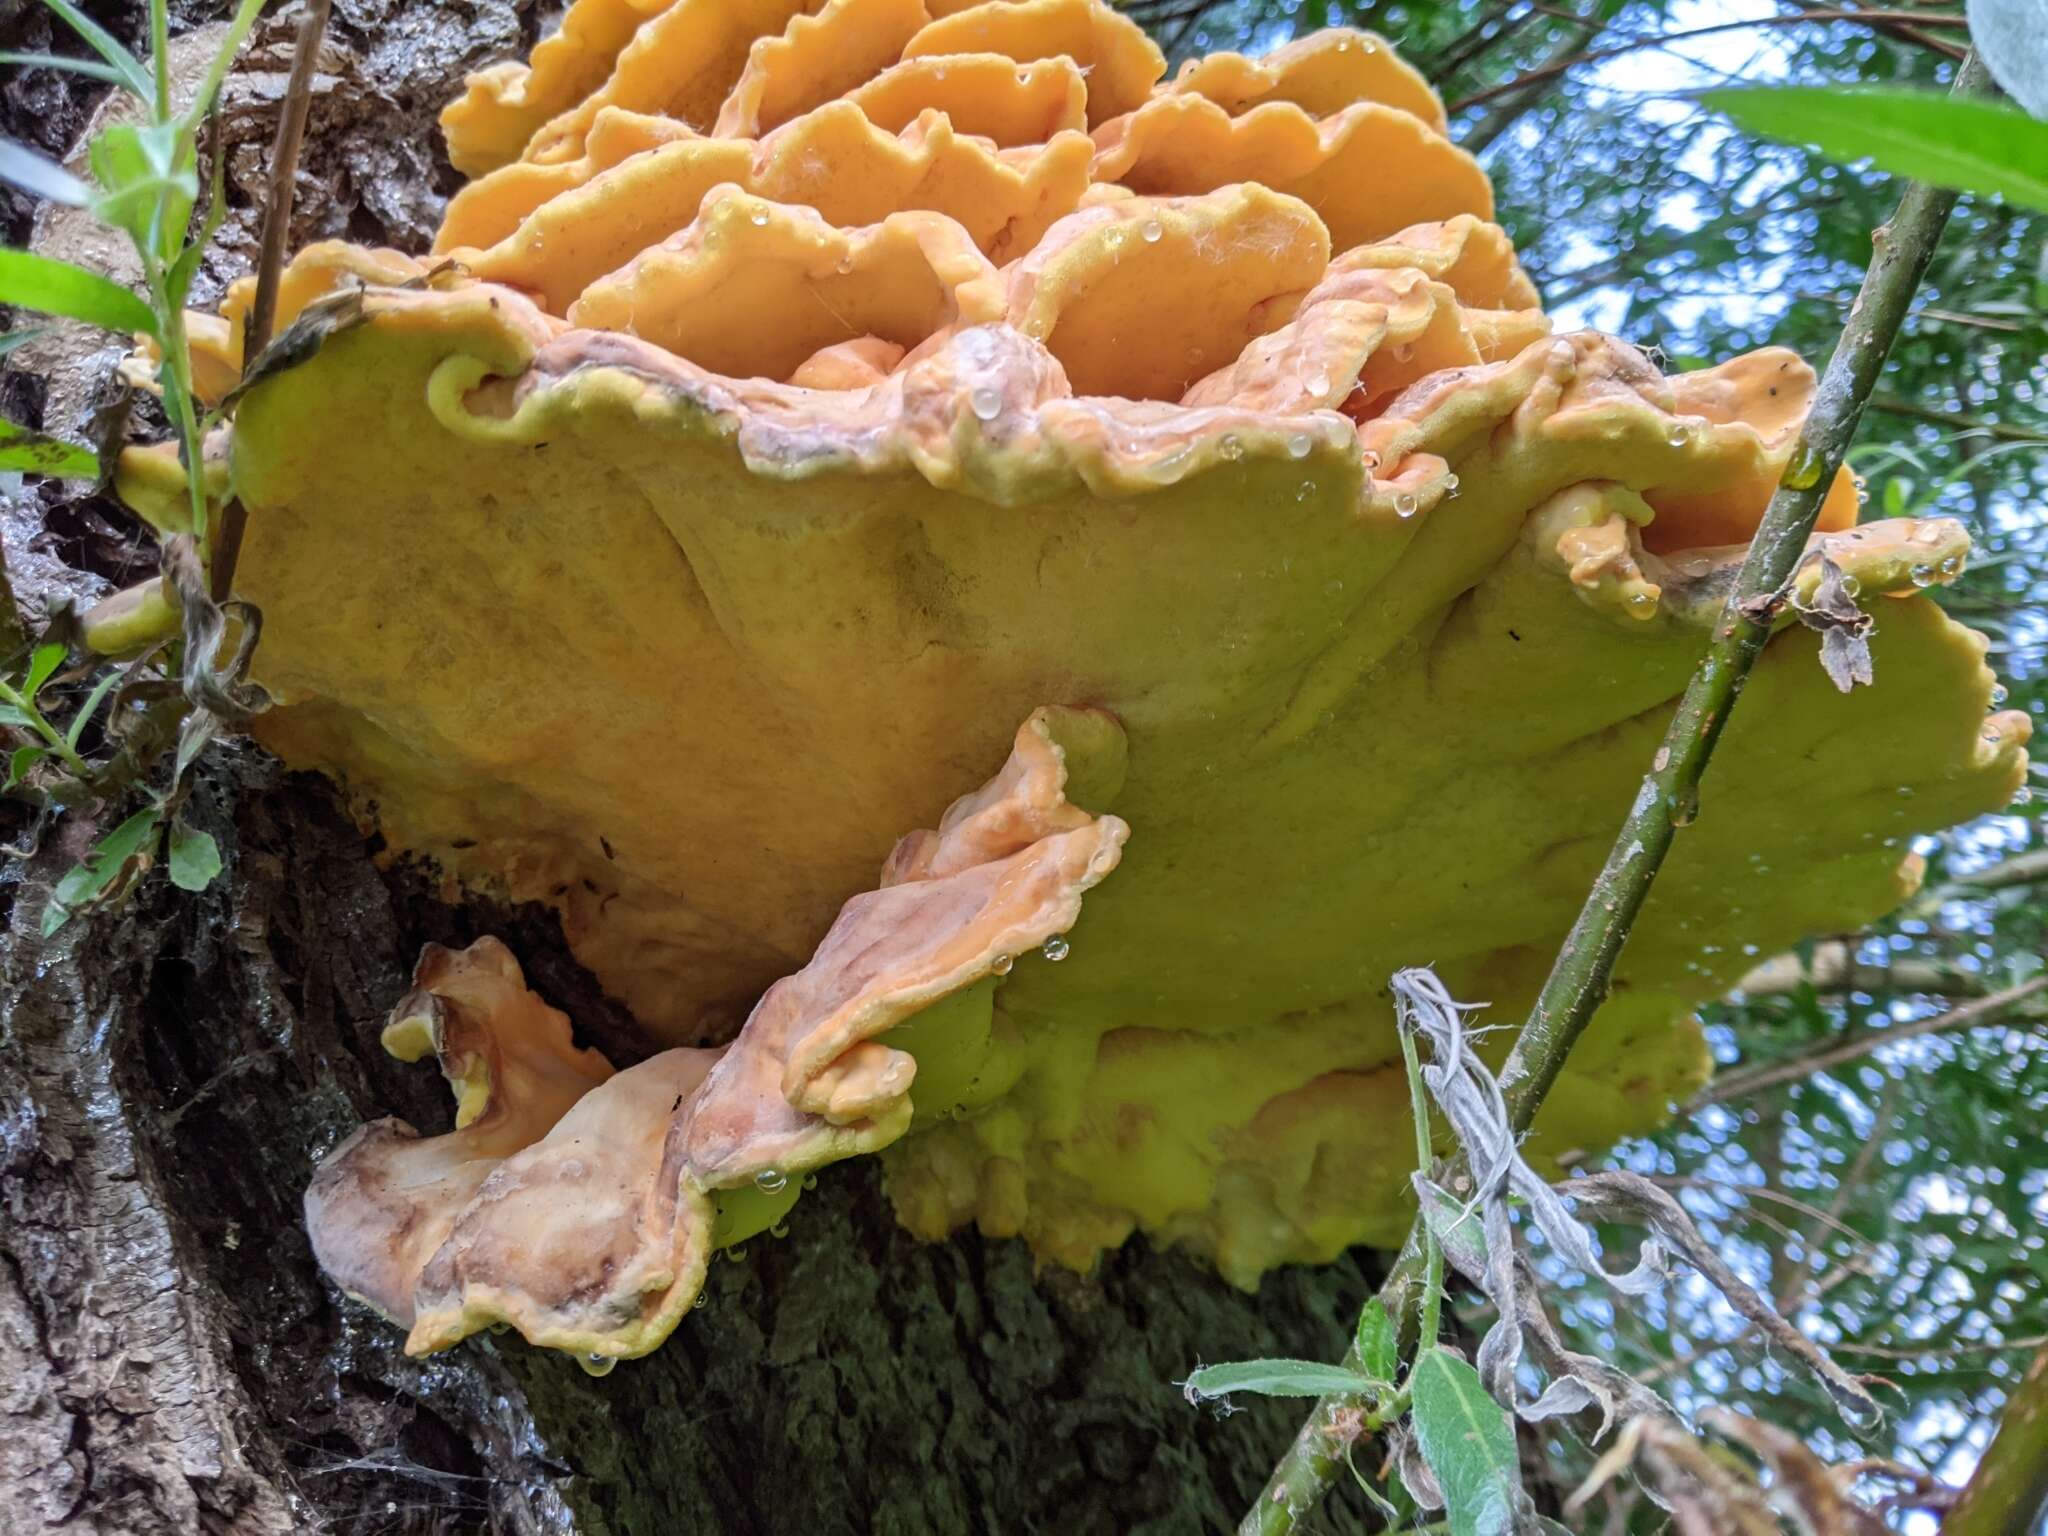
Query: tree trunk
(171, 1070)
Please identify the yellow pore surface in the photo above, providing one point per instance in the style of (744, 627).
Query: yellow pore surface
(786, 438)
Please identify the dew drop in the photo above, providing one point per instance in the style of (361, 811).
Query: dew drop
(736, 1254)
(1451, 487)
(1231, 447)
(1404, 505)
(499, 1329)
(810, 1181)
(1998, 695)
(780, 1229)
(703, 1300)
(1370, 460)
(1643, 603)
(987, 403)
(1001, 965)
(1319, 384)
(1680, 434)
(1151, 231)
(1299, 445)
(1305, 490)
(1851, 585)
(771, 1181)
(598, 1365)
(1055, 948)
(1922, 575)
(1952, 565)
(758, 218)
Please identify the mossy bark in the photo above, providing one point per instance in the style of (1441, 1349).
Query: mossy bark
(171, 1070)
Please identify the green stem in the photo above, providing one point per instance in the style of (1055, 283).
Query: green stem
(1578, 981)
(2008, 1493)
(178, 403)
(1425, 1160)
(43, 728)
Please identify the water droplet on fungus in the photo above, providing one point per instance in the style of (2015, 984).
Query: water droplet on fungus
(1998, 695)
(1922, 575)
(1001, 965)
(758, 218)
(1451, 487)
(987, 403)
(1299, 445)
(771, 1181)
(1055, 948)
(1305, 490)
(598, 1365)
(1404, 505)
(1151, 231)
(1231, 447)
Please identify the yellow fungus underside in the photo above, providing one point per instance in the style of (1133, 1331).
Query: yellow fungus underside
(724, 514)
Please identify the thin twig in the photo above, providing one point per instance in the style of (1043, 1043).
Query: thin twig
(277, 221)
(1970, 1015)
(1551, 68)
(1579, 980)
(1956, 421)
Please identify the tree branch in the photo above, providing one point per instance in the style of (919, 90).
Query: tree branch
(1579, 980)
(1555, 66)
(1970, 1015)
(1957, 421)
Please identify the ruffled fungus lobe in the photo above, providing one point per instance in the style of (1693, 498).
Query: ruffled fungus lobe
(582, 1207)
(727, 507)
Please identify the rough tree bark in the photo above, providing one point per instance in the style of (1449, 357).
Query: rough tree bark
(170, 1070)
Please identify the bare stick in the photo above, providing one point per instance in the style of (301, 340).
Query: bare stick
(277, 221)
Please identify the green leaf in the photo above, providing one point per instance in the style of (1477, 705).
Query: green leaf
(90, 877)
(20, 338)
(26, 452)
(89, 67)
(58, 288)
(45, 178)
(1469, 1444)
(1379, 1347)
(86, 710)
(14, 714)
(195, 858)
(1277, 1378)
(103, 42)
(149, 176)
(19, 761)
(1973, 146)
(43, 663)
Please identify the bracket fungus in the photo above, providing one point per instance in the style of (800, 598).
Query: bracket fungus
(796, 404)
